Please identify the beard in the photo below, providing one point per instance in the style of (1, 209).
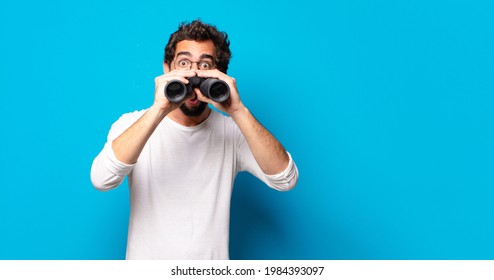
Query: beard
(195, 111)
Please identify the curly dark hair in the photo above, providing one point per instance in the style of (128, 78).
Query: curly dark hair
(199, 31)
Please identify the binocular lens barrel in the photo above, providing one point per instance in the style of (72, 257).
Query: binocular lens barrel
(214, 89)
(175, 91)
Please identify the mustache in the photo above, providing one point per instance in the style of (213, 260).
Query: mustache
(194, 112)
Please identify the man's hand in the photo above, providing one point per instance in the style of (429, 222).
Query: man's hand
(160, 100)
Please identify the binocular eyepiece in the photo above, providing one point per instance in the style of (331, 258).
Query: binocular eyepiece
(214, 89)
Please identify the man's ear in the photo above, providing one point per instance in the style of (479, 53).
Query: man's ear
(166, 67)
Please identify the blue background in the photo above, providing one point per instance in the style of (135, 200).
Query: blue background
(386, 106)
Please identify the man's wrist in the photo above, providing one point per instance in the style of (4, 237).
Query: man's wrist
(158, 111)
(239, 112)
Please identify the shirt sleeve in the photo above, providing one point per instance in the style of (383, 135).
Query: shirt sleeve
(283, 181)
(107, 172)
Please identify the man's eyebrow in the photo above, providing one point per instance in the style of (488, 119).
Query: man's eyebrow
(206, 56)
(186, 53)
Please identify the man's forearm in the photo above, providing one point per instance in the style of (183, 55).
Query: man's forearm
(128, 146)
(268, 152)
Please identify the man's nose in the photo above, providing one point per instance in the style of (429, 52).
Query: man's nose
(193, 66)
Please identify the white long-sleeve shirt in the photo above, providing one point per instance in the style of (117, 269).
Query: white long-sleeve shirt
(181, 186)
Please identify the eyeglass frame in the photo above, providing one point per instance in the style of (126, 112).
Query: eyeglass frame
(203, 59)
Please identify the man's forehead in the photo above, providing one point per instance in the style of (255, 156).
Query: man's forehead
(195, 48)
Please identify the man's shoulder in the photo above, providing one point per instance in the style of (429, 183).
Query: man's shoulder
(226, 125)
(225, 120)
(218, 115)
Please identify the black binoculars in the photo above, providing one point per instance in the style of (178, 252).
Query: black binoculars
(214, 89)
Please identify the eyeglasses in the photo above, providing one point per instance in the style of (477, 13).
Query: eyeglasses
(186, 64)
